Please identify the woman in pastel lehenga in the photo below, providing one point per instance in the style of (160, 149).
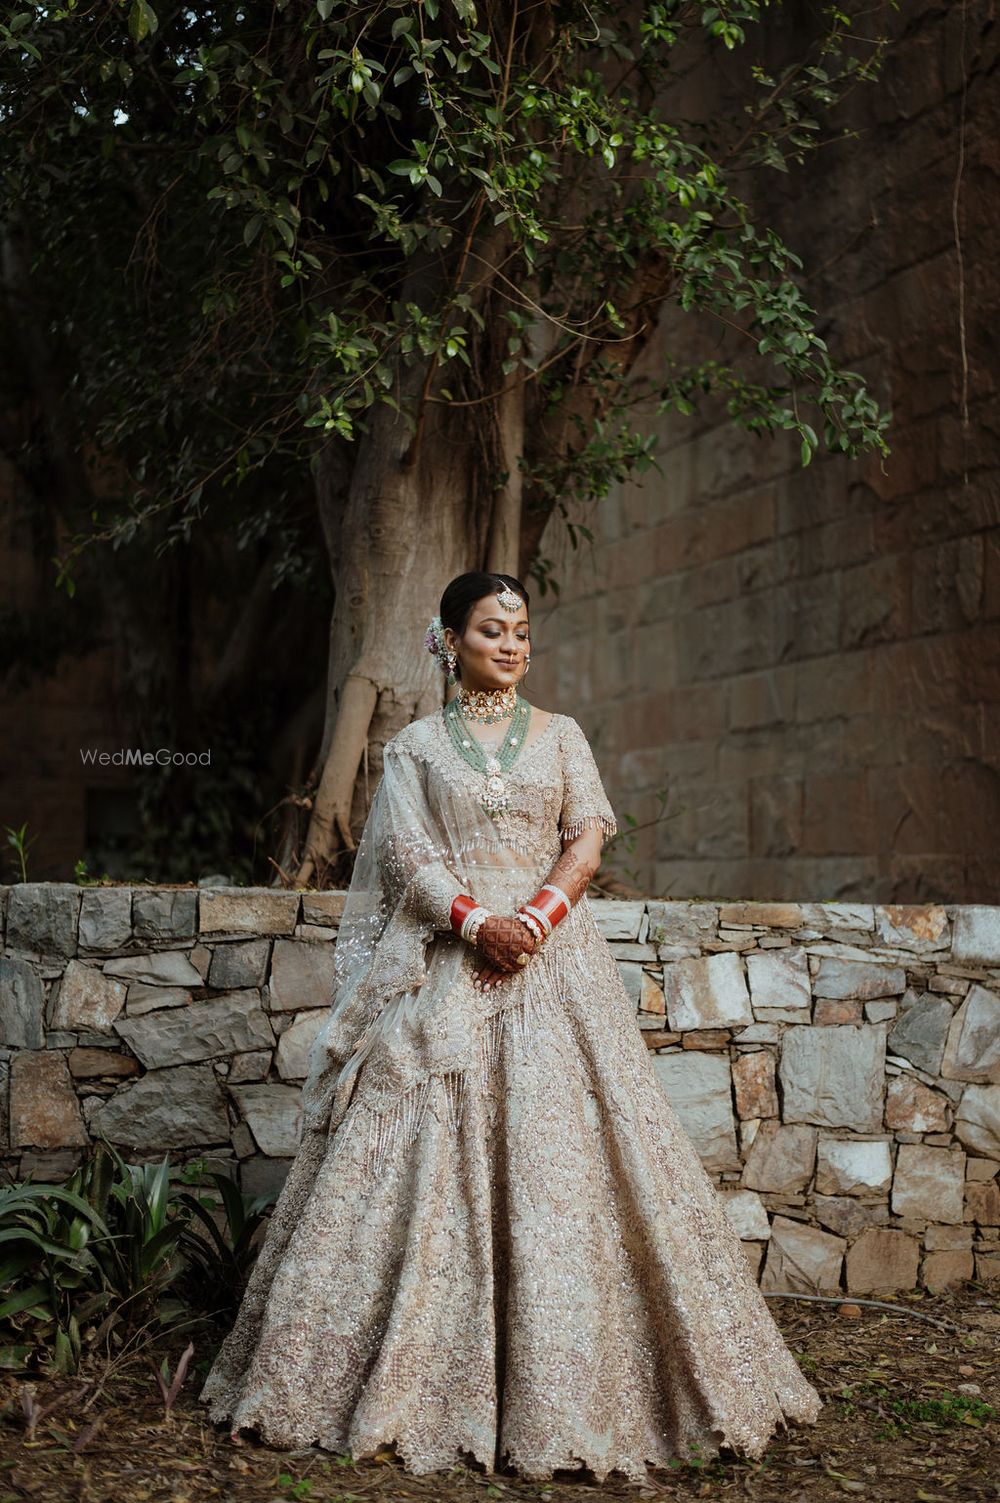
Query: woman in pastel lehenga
(496, 1244)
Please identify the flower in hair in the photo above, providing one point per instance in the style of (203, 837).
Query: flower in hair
(434, 637)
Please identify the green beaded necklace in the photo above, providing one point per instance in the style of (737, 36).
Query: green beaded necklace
(494, 797)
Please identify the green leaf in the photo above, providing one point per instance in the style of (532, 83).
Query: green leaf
(142, 21)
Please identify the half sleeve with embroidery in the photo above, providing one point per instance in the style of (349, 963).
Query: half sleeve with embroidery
(585, 804)
(411, 851)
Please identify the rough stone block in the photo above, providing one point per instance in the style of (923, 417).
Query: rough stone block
(706, 992)
(240, 964)
(920, 1034)
(828, 1012)
(779, 979)
(753, 1077)
(976, 940)
(972, 1050)
(301, 976)
(182, 1107)
(846, 1216)
(977, 1121)
(292, 1058)
(764, 915)
(44, 1111)
(651, 998)
(631, 974)
(161, 968)
(882, 1260)
(86, 998)
(801, 1259)
(781, 1159)
(205, 1030)
(105, 918)
(981, 1169)
(22, 1004)
(987, 1267)
(675, 922)
(142, 998)
(912, 1107)
(247, 910)
(167, 913)
(832, 918)
(325, 908)
(89, 1063)
(758, 1033)
(881, 1012)
(943, 1270)
(274, 1115)
(919, 927)
(747, 1215)
(834, 1076)
(618, 920)
(929, 1183)
(251, 1066)
(982, 1202)
(948, 1238)
(43, 917)
(860, 980)
(698, 1087)
(849, 1166)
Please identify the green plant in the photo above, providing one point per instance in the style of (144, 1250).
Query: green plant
(100, 1257)
(83, 878)
(17, 839)
(49, 1278)
(222, 1256)
(942, 1411)
(83, 1258)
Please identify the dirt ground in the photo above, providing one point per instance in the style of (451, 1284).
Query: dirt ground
(912, 1413)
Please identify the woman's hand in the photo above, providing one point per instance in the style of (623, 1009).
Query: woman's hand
(501, 941)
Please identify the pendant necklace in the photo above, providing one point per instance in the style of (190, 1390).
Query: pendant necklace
(492, 764)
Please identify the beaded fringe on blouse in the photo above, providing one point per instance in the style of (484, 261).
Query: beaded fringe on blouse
(397, 1127)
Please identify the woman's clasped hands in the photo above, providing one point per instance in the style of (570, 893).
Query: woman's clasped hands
(506, 946)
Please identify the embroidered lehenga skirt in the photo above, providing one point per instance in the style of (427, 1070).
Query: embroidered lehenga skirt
(518, 1261)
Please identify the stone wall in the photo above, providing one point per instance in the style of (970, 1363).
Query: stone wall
(837, 1065)
(807, 660)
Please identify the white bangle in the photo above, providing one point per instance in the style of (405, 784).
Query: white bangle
(539, 917)
(532, 925)
(551, 887)
(471, 924)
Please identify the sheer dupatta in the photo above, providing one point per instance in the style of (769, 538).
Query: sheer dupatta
(419, 849)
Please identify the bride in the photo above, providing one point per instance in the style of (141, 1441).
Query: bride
(496, 1243)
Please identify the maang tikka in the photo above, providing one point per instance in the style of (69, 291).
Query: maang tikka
(509, 600)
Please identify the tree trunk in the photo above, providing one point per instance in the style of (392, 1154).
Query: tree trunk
(404, 531)
(419, 506)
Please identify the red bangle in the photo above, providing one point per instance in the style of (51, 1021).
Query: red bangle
(461, 907)
(550, 905)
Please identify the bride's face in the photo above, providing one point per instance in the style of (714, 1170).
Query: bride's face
(493, 647)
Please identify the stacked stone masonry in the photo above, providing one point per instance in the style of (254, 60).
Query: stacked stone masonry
(836, 1064)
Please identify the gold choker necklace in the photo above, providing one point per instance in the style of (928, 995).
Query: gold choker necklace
(488, 705)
